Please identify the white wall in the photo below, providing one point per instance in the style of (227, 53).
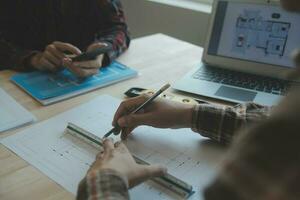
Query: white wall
(147, 17)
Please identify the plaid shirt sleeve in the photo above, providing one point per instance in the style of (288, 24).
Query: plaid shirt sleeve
(106, 184)
(263, 162)
(115, 31)
(221, 123)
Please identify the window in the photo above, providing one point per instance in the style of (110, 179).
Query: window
(202, 1)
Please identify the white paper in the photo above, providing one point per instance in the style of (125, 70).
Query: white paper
(65, 158)
(12, 114)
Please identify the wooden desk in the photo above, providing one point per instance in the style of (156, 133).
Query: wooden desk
(158, 58)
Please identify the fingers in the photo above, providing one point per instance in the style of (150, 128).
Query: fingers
(108, 148)
(47, 65)
(55, 52)
(154, 171)
(97, 63)
(130, 122)
(67, 47)
(99, 156)
(126, 132)
(134, 120)
(86, 68)
(78, 71)
(120, 147)
(146, 172)
(51, 58)
(128, 106)
(95, 46)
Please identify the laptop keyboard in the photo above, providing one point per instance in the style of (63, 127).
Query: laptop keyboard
(243, 80)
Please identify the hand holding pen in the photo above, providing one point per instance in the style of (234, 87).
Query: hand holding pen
(116, 130)
(160, 113)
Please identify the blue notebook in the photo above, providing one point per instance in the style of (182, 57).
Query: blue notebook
(49, 88)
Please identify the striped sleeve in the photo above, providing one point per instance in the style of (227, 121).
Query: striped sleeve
(105, 184)
(221, 123)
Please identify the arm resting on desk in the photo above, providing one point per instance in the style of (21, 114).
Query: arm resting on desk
(221, 123)
(14, 57)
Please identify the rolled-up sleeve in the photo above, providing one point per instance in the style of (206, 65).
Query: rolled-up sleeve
(221, 123)
(105, 184)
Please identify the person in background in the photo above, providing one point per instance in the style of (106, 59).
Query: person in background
(262, 163)
(40, 34)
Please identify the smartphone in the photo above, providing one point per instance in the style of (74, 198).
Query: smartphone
(92, 54)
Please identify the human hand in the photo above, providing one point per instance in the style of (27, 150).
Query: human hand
(161, 113)
(52, 57)
(117, 157)
(86, 68)
(295, 74)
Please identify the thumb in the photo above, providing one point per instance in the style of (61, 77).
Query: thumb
(154, 170)
(135, 120)
(146, 172)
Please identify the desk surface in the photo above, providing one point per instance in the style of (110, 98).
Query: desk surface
(158, 58)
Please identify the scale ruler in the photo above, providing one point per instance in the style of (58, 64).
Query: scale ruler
(169, 181)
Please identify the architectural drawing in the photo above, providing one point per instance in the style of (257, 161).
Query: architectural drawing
(253, 33)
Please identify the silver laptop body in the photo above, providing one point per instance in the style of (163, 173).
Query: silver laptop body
(247, 52)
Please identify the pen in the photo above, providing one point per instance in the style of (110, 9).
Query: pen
(116, 130)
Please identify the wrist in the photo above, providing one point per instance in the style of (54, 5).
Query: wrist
(187, 115)
(34, 60)
(107, 172)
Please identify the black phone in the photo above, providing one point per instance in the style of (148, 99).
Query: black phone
(92, 54)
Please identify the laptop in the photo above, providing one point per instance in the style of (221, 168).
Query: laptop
(247, 52)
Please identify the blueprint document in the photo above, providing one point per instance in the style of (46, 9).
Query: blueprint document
(49, 87)
(65, 158)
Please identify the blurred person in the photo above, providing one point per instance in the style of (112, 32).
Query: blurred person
(40, 34)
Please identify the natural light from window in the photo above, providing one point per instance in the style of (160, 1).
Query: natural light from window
(202, 1)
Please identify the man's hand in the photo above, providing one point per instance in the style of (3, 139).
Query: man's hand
(117, 157)
(86, 68)
(160, 113)
(52, 57)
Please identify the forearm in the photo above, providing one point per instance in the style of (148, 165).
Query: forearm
(14, 57)
(221, 123)
(115, 31)
(105, 184)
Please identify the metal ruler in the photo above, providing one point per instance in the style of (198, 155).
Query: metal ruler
(169, 181)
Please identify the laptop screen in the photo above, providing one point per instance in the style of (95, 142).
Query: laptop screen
(255, 32)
